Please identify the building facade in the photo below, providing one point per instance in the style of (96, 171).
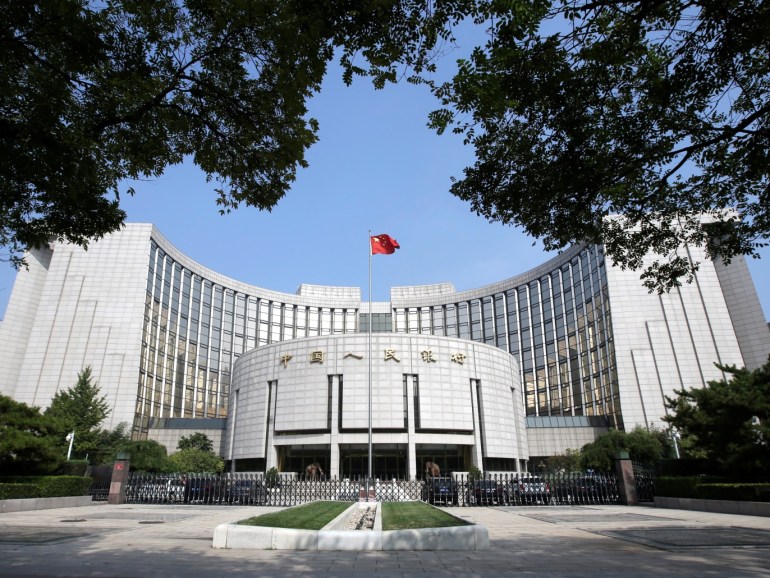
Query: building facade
(581, 343)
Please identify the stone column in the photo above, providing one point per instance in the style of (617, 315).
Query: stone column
(411, 451)
(477, 456)
(626, 480)
(119, 479)
(334, 437)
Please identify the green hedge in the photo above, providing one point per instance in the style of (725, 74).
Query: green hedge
(45, 486)
(72, 468)
(740, 492)
(685, 467)
(57, 486)
(18, 491)
(709, 489)
(676, 487)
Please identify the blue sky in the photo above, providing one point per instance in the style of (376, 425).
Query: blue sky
(376, 167)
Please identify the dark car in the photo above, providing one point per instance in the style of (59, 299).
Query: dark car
(530, 490)
(245, 492)
(594, 489)
(202, 490)
(487, 492)
(585, 489)
(441, 491)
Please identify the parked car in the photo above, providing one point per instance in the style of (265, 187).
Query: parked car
(201, 490)
(594, 489)
(245, 492)
(441, 491)
(530, 490)
(175, 489)
(488, 491)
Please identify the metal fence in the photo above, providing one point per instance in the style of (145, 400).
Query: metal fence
(645, 482)
(99, 491)
(457, 490)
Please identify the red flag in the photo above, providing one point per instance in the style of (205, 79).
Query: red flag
(384, 244)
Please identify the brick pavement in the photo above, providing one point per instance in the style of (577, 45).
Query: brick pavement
(144, 541)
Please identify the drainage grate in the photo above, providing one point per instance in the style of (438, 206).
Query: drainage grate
(668, 538)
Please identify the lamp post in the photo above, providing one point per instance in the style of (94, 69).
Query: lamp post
(71, 439)
(675, 439)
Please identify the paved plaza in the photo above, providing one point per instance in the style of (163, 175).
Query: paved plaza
(145, 541)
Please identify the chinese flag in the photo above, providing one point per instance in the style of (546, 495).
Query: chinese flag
(384, 244)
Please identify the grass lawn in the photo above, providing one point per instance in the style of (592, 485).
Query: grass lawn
(415, 515)
(395, 516)
(312, 516)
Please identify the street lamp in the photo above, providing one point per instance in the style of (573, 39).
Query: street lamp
(71, 439)
(675, 438)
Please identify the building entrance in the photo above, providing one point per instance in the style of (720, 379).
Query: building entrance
(450, 458)
(387, 463)
(296, 459)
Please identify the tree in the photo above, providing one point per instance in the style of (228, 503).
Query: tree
(93, 93)
(147, 456)
(565, 463)
(196, 460)
(729, 420)
(641, 444)
(109, 443)
(198, 441)
(28, 439)
(82, 410)
(642, 126)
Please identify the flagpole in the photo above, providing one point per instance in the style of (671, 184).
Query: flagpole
(370, 360)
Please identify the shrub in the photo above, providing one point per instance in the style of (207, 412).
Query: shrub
(685, 467)
(196, 460)
(708, 489)
(19, 491)
(57, 486)
(46, 486)
(739, 492)
(676, 487)
(72, 468)
(272, 478)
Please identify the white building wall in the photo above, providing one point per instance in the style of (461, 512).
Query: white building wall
(16, 327)
(90, 313)
(745, 310)
(666, 342)
(246, 433)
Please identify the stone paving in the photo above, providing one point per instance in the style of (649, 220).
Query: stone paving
(145, 541)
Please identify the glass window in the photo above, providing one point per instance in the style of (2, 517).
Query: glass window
(451, 321)
(425, 320)
(312, 322)
(301, 321)
(413, 323)
(326, 321)
(400, 321)
(350, 321)
(462, 325)
(475, 318)
(338, 321)
(438, 320)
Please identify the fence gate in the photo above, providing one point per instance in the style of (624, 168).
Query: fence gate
(459, 490)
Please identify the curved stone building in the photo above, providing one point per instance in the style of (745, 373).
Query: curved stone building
(438, 399)
(177, 348)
